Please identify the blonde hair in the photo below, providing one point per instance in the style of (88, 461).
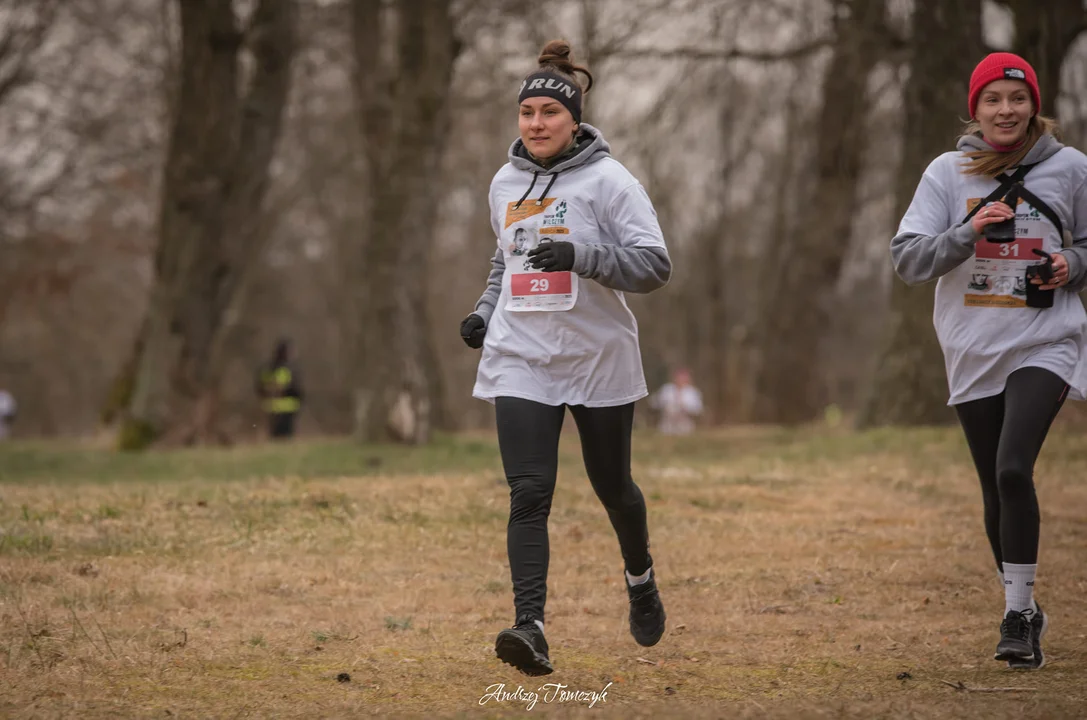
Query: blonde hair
(991, 163)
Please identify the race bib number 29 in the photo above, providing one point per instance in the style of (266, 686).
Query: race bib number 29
(532, 290)
(537, 284)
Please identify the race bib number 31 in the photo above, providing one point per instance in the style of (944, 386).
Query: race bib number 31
(1021, 249)
(998, 277)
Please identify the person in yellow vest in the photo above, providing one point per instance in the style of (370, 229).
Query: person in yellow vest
(280, 390)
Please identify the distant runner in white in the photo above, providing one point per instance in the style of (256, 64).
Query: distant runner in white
(575, 231)
(7, 413)
(1002, 222)
(678, 403)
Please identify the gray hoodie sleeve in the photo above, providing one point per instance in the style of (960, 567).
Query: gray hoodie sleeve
(489, 299)
(1076, 255)
(919, 258)
(639, 261)
(925, 248)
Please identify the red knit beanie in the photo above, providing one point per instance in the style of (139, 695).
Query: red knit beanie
(1003, 66)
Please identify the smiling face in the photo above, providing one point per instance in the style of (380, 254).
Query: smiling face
(547, 128)
(1004, 111)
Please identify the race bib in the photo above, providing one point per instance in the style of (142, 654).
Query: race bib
(998, 273)
(535, 291)
(529, 289)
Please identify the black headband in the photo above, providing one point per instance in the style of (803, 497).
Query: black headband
(548, 84)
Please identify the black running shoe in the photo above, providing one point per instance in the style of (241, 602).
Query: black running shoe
(1015, 637)
(646, 612)
(1039, 624)
(523, 646)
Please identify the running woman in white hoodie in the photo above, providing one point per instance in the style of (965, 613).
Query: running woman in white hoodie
(575, 231)
(1002, 223)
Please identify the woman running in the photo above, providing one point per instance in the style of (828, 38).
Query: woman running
(556, 332)
(989, 221)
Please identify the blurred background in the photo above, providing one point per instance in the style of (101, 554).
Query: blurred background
(183, 183)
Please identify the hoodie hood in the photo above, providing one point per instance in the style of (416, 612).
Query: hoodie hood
(589, 147)
(1046, 147)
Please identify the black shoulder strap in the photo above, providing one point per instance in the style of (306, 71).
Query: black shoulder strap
(1038, 204)
(1006, 183)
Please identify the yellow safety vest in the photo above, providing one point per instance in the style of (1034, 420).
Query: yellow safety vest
(278, 381)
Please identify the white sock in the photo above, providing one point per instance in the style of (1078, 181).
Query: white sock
(1033, 602)
(1019, 587)
(540, 623)
(633, 580)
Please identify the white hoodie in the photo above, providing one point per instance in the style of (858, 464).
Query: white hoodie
(984, 327)
(7, 412)
(576, 342)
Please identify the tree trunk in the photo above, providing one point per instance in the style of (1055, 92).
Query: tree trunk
(791, 385)
(428, 48)
(720, 342)
(216, 173)
(397, 393)
(910, 387)
(272, 41)
(368, 265)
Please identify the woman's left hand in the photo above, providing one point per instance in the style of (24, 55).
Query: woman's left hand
(552, 256)
(1060, 274)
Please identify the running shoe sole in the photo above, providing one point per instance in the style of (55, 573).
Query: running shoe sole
(514, 650)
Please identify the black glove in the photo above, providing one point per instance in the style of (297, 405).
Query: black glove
(472, 330)
(554, 256)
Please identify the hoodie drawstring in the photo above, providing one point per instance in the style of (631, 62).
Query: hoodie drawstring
(539, 200)
(534, 176)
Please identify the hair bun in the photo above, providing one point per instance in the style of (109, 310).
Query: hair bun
(557, 53)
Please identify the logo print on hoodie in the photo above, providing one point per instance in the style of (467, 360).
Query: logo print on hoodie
(559, 216)
(554, 224)
(527, 210)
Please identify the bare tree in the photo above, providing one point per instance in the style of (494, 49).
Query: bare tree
(403, 88)
(811, 254)
(910, 387)
(221, 144)
(79, 129)
(24, 30)
(715, 107)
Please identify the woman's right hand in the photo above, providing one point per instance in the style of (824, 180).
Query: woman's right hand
(472, 331)
(992, 213)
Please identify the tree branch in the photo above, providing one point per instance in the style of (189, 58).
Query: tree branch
(694, 53)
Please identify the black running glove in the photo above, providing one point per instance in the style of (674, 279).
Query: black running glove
(472, 330)
(555, 256)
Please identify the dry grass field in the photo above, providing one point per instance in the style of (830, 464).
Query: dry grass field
(811, 573)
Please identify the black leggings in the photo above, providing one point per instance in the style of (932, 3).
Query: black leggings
(528, 439)
(281, 425)
(1005, 433)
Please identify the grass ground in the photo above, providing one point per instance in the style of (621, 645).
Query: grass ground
(806, 573)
